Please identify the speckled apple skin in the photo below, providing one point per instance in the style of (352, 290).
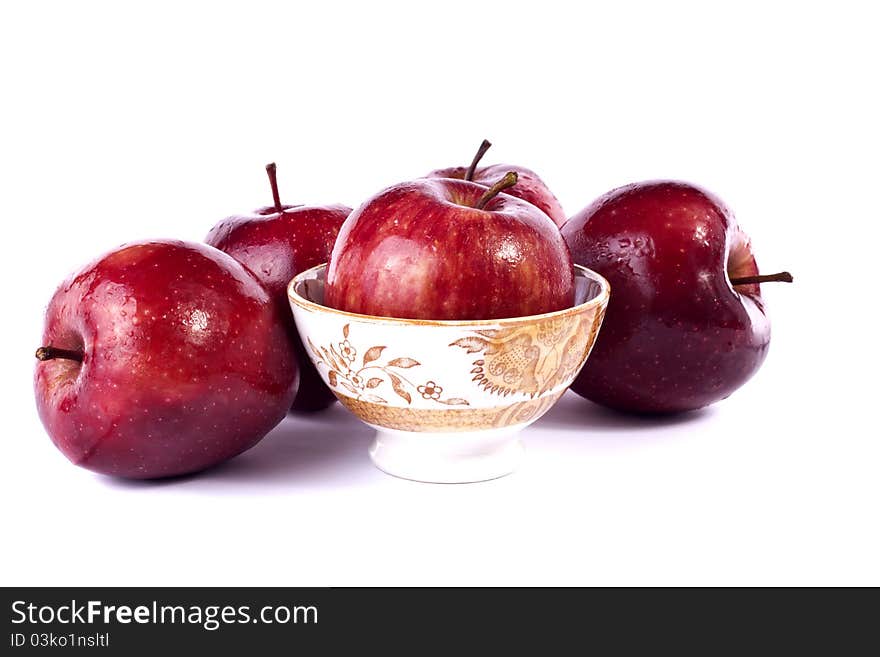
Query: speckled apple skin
(677, 335)
(276, 246)
(529, 186)
(421, 250)
(185, 362)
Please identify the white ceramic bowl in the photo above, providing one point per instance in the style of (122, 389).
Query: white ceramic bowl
(447, 398)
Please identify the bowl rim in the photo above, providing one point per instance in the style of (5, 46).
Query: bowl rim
(599, 300)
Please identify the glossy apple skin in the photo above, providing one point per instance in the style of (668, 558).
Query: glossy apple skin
(276, 246)
(677, 336)
(529, 186)
(185, 362)
(421, 250)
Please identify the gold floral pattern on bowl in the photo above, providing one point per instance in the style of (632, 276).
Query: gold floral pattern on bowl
(366, 381)
(449, 419)
(531, 358)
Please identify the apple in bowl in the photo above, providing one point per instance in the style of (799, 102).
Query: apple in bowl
(449, 249)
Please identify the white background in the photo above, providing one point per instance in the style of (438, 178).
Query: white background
(119, 124)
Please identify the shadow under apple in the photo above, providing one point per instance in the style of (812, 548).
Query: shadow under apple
(331, 448)
(573, 412)
(328, 448)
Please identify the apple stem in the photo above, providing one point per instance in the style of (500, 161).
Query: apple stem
(481, 151)
(51, 353)
(509, 180)
(273, 180)
(780, 277)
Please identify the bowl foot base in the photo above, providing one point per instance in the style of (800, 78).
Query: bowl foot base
(447, 458)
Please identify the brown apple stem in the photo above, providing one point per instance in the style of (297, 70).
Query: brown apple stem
(780, 277)
(51, 353)
(273, 180)
(509, 180)
(481, 151)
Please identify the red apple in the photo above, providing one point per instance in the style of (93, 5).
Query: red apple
(449, 249)
(686, 324)
(529, 186)
(276, 243)
(161, 358)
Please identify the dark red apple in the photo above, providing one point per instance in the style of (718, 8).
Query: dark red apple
(276, 243)
(529, 186)
(161, 358)
(686, 324)
(449, 249)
